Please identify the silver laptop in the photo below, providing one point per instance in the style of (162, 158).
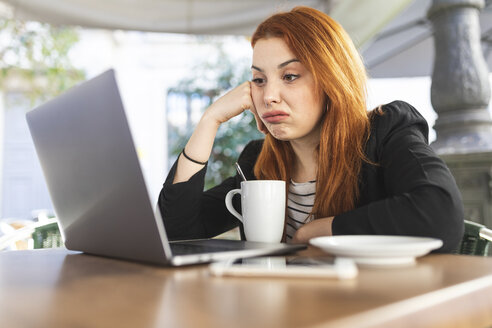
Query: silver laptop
(94, 178)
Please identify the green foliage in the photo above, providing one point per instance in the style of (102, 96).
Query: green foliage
(209, 80)
(37, 55)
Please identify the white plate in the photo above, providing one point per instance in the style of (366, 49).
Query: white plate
(373, 250)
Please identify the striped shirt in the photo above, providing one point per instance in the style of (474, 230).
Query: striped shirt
(300, 202)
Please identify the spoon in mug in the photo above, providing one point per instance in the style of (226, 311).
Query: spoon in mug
(238, 168)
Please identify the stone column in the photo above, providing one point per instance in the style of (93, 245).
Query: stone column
(460, 94)
(460, 90)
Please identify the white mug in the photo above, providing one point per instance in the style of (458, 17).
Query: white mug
(263, 207)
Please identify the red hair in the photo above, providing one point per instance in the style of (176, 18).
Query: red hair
(327, 51)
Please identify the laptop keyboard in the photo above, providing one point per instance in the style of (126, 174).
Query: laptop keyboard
(186, 248)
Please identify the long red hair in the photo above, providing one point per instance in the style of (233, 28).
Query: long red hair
(327, 51)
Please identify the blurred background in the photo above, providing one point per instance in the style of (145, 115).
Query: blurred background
(172, 59)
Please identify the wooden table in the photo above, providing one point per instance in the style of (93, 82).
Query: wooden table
(58, 288)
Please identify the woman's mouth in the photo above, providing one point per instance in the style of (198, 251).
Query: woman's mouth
(275, 116)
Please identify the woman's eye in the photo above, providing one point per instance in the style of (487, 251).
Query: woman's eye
(258, 81)
(290, 77)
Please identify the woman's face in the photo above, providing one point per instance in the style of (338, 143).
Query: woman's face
(284, 93)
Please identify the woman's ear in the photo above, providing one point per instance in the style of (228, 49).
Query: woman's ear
(327, 103)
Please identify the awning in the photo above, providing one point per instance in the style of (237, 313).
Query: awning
(362, 19)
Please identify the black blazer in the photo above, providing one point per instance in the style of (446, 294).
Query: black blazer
(410, 192)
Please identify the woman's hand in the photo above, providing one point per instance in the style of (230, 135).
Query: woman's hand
(315, 228)
(232, 104)
(201, 141)
(259, 123)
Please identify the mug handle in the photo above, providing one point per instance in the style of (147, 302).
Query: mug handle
(228, 203)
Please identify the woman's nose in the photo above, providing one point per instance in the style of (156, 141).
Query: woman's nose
(271, 94)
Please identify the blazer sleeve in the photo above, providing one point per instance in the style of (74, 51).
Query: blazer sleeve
(189, 212)
(421, 195)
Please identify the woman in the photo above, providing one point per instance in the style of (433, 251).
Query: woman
(349, 171)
